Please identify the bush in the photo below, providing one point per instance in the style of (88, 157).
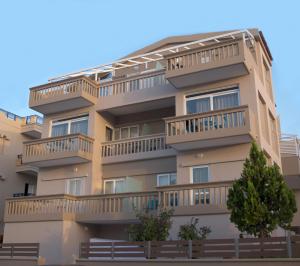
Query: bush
(260, 200)
(151, 226)
(192, 231)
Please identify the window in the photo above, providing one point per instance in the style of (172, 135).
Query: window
(75, 186)
(70, 126)
(126, 132)
(200, 174)
(215, 101)
(108, 134)
(112, 186)
(166, 179)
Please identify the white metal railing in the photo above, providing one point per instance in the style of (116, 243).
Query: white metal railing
(134, 145)
(290, 144)
(133, 84)
(158, 54)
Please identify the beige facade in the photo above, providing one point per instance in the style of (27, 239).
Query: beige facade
(169, 128)
(16, 178)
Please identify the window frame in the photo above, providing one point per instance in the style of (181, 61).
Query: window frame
(211, 95)
(200, 166)
(169, 179)
(68, 121)
(129, 130)
(114, 180)
(82, 186)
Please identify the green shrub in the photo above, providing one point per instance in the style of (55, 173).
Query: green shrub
(192, 231)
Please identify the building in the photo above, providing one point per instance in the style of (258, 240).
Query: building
(290, 159)
(169, 125)
(16, 179)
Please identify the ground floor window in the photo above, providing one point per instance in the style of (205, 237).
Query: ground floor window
(112, 186)
(166, 179)
(200, 174)
(75, 186)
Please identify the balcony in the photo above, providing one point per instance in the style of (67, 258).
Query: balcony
(63, 150)
(191, 199)
(64, 95)
(32, 127)
(204, 65)
(211, 129)
(26, 169)
(140, 148)
(142, 92)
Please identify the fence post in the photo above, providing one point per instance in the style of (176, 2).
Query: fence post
(236, 247)
(289, 244)
(149, 249)
(190, 249)
(112, 250)
(12, 250)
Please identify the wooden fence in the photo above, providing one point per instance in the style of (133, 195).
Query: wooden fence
(13, 250)
(274, 247)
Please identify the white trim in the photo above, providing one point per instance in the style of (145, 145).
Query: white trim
(152, 56)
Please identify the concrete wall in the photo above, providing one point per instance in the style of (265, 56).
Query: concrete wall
(11, 182)
(59, 240)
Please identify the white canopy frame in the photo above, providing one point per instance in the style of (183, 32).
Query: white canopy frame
(155, 55)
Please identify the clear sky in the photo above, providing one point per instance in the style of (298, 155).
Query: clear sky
(44, 38)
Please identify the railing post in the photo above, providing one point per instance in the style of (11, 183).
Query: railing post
(148, 249)
(190, 249)
(289, 244)
(12, 251)
(236, 247)
(112, 250)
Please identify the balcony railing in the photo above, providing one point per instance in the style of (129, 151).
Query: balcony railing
(193, 197)
(135, 145)
(290, 145)
(141, 82)
(75, 147)
(69, 143)
(210, 121)
(70, 86)
(203, 56)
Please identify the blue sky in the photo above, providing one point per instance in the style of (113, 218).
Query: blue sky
(45, 38)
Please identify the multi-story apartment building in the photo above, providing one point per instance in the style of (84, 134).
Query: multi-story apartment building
(16, 179)
(169, 125)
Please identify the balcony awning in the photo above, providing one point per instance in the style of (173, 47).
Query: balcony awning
(155, 55)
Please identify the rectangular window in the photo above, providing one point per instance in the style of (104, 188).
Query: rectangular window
(75, 186)
(112, 186)
(200, 174)
(166, 179)
(126, 132)
(201, 103)
(70, 126)
(108, 134)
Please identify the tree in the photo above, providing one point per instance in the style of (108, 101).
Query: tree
(192, 231)
(151, 226)
(260, 200)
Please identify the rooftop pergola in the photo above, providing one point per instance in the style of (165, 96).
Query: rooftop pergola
(155, 55)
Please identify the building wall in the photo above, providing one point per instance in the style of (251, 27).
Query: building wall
(10, 181)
